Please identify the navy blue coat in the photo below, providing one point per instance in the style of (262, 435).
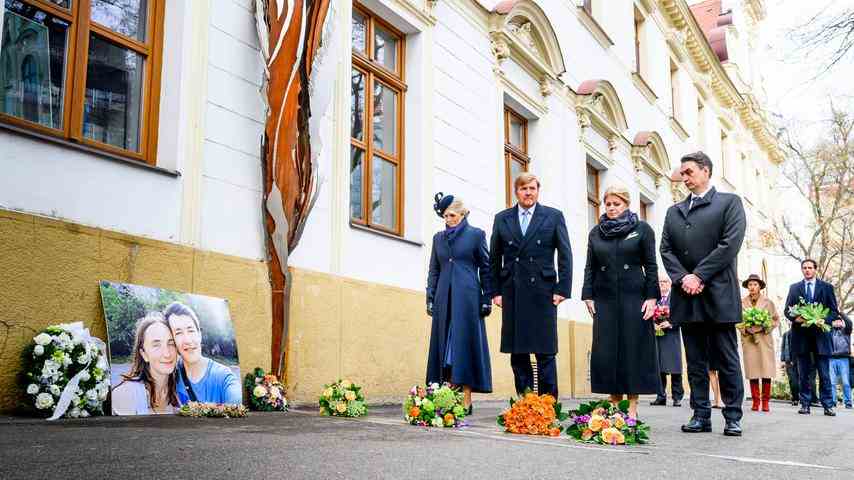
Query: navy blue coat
(458, 284)
(811, 339)
(523, 272)
(670, 346)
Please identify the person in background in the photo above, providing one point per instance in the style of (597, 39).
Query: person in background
(757, 344)
(669, 351)
(839, 363)
(790, 365)
(459, 286)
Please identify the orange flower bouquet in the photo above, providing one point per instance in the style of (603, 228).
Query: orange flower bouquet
(533, 415)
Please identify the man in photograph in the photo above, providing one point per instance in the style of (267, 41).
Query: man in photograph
(200, 379)
(699, 246)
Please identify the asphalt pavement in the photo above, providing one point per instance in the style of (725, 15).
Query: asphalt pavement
(301, 444)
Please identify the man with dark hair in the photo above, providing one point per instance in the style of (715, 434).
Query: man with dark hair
(700, 241)
(811, 345)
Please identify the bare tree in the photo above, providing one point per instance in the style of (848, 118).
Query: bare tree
(831, 31)
(822, 173)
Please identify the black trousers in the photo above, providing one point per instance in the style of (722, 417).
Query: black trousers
(676, 388)
(806, 362)
(794, 380)
(523, 373)
(716, 343)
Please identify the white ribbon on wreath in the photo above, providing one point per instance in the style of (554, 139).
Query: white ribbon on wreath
(77, 330)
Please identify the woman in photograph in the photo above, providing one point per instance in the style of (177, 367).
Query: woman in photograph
(757, 344)
(149, 387)
(458, 293)
(620, 291)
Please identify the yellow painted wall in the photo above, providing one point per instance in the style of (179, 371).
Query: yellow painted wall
(49, 273)
(378, 336)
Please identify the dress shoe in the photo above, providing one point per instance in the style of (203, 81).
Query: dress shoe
(697, 425)
(829, 412)
(677, 403)
(848, 406)
(805, 410)
(658, 402)
(717, 406)
(732, 428)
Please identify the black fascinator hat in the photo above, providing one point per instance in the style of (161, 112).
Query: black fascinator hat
(442, 203)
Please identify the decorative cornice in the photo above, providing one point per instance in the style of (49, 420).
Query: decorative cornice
(423, 12)
(679, 15)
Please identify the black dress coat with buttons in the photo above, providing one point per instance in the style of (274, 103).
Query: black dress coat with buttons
(458, 283)
(705, 241)
(524, 274)
(620, 274)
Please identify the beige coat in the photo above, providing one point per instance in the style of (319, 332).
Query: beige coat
(759, 358)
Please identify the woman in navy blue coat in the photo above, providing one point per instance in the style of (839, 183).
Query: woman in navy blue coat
(458, 293)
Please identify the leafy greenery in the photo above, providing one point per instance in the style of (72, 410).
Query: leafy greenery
(814, 314)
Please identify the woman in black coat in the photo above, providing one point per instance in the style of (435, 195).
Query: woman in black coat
(458, 293)
(621, 290)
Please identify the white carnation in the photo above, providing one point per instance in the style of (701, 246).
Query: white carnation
(66, 360)
(42, 339)
(55, 391)
(83, 359)
(44, 400)
(32, 389)
(92, 394)
(38, 351)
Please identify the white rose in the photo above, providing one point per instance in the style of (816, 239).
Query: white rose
(437, 422)
(32, 389)
(84, 376)
(66, 360)
(84, 413)
(75, 400)
(259, 391)
(64, 338)
(92, 394)
(42, 339)
(55, 391)
(38, 351)
(74, 412)
(44, 400)
(83, 359)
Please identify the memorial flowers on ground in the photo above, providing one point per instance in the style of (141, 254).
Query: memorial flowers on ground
(65, 372)
(434, 406)
(342, 399)
(606, 424)
(533, 415)
(265, 392)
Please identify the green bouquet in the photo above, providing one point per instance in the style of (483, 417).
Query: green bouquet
(814, 314)
(755, 317)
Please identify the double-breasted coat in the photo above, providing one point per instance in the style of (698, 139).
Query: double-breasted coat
(458, 283)
(524, 274)
(705, 241)
(669, 345)
(621, 272)
(758, 348)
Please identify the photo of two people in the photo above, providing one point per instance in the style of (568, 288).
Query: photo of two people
(167, 349)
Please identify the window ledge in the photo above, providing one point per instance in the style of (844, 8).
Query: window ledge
(360, 227)
(595, 28)
(87, 149)
(678, 128)
(644, 88)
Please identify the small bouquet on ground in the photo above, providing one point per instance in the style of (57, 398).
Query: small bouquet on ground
(533, 415)
(212, 410)
(661, 317)
(65, 372)
(814, 314)
(343, 399)
(606, 424)
(265, 392)
(755, 317)
(434, 406)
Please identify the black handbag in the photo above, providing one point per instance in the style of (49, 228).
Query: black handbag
(840, 342)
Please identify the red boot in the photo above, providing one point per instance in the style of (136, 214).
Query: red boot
(766, 394)
(754, 394)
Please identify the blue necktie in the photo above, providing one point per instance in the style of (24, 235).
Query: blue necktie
(809, 292)
(524, 223)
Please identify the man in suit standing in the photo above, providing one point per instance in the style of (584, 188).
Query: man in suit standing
(524, 241)
(699, 245)
(811, 344)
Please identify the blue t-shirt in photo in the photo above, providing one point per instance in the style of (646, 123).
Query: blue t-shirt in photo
(218, 385)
